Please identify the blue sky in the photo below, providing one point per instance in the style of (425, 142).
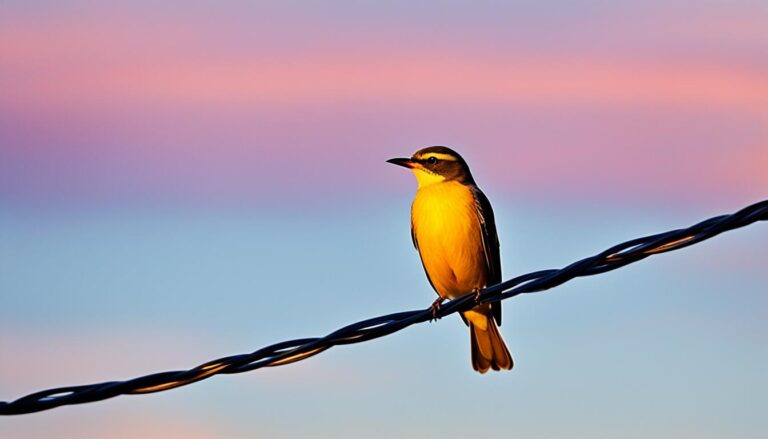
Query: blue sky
(670, 347)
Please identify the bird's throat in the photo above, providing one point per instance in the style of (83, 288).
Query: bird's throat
(426, 178)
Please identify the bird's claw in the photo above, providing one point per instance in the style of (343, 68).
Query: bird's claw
(477, 293)
(436, 307)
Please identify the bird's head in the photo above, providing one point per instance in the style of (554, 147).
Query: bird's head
(436, 164)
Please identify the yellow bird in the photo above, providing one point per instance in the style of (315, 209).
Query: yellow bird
(453, 229)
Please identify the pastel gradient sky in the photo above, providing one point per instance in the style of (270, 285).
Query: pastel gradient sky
(181, 180)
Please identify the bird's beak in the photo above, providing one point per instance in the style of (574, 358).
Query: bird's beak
(407, 163)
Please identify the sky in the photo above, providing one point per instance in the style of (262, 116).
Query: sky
(181, 181)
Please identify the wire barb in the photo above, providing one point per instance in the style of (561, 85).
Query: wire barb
(292, 351)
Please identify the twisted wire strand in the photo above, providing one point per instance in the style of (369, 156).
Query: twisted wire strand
(292, 351)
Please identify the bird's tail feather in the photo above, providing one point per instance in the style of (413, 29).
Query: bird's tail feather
(488, 348)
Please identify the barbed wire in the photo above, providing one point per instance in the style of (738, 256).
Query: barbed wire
(292, 351)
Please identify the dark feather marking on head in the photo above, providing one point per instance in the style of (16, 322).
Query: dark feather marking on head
(452, 170)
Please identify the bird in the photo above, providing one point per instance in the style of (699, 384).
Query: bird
(454, 230)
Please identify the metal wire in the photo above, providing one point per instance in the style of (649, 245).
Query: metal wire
(292, 351)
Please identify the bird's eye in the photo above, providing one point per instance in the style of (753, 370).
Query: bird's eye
(432, 160)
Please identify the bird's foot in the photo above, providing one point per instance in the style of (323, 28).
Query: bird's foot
(476, 292)
(436, 307)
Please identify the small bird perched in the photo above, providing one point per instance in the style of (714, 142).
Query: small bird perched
(453, 229)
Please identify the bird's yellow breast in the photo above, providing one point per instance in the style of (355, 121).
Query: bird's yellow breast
(447, 229)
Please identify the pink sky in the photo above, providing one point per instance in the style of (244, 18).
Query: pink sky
(129, 101)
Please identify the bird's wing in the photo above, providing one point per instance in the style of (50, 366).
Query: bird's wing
(490, 245)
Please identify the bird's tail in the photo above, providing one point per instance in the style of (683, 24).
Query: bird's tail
(488, 348)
